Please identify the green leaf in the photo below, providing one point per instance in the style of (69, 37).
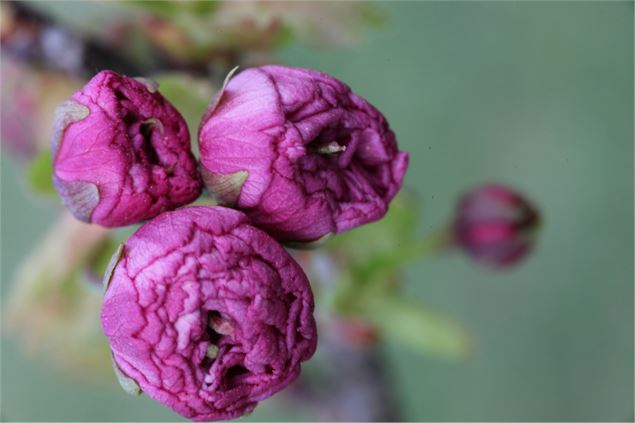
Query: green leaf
(168, 9)
(373, 16)
(39, 174)
(389, 236)
(422, 330)
(284, 36)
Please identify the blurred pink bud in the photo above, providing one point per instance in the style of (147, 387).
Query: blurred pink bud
(206, 313)
(28, 98)
(300, 153)
(121, 152)
(495, 225)
(356, 332)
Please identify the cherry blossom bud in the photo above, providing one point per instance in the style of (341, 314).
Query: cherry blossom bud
(206, 313)
(300, 153)
(121, 152)
(495, 225)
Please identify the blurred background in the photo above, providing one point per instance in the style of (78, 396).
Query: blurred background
(535, 95)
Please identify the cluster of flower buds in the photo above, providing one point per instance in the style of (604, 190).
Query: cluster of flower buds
(204, 310)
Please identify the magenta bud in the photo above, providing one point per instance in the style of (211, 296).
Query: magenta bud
(207, 314)
(495, 225)
(300, 153)
(121, 152)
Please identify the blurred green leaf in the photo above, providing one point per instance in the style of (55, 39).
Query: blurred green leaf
(422, 330)
(51, 311)
(284, 36)
(168, 9)
(392, 234)
(372, 15)
(39, 174)
(372, 256)
(99, 260)
(201, 7)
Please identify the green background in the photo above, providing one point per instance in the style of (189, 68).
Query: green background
(536, 95)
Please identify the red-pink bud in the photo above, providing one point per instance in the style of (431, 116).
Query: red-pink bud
(206, 313)
(121, 152)
(495, 225)
(300, 153)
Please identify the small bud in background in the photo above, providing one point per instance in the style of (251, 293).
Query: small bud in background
(121, 152)
(495, 225)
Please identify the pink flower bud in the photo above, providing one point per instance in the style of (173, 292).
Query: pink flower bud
(300, 153)
(206, 313)
(121, 152)
(495, 225)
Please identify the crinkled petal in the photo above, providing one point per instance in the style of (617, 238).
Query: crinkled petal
(320, 159)
(130, 144)
(208, 314)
